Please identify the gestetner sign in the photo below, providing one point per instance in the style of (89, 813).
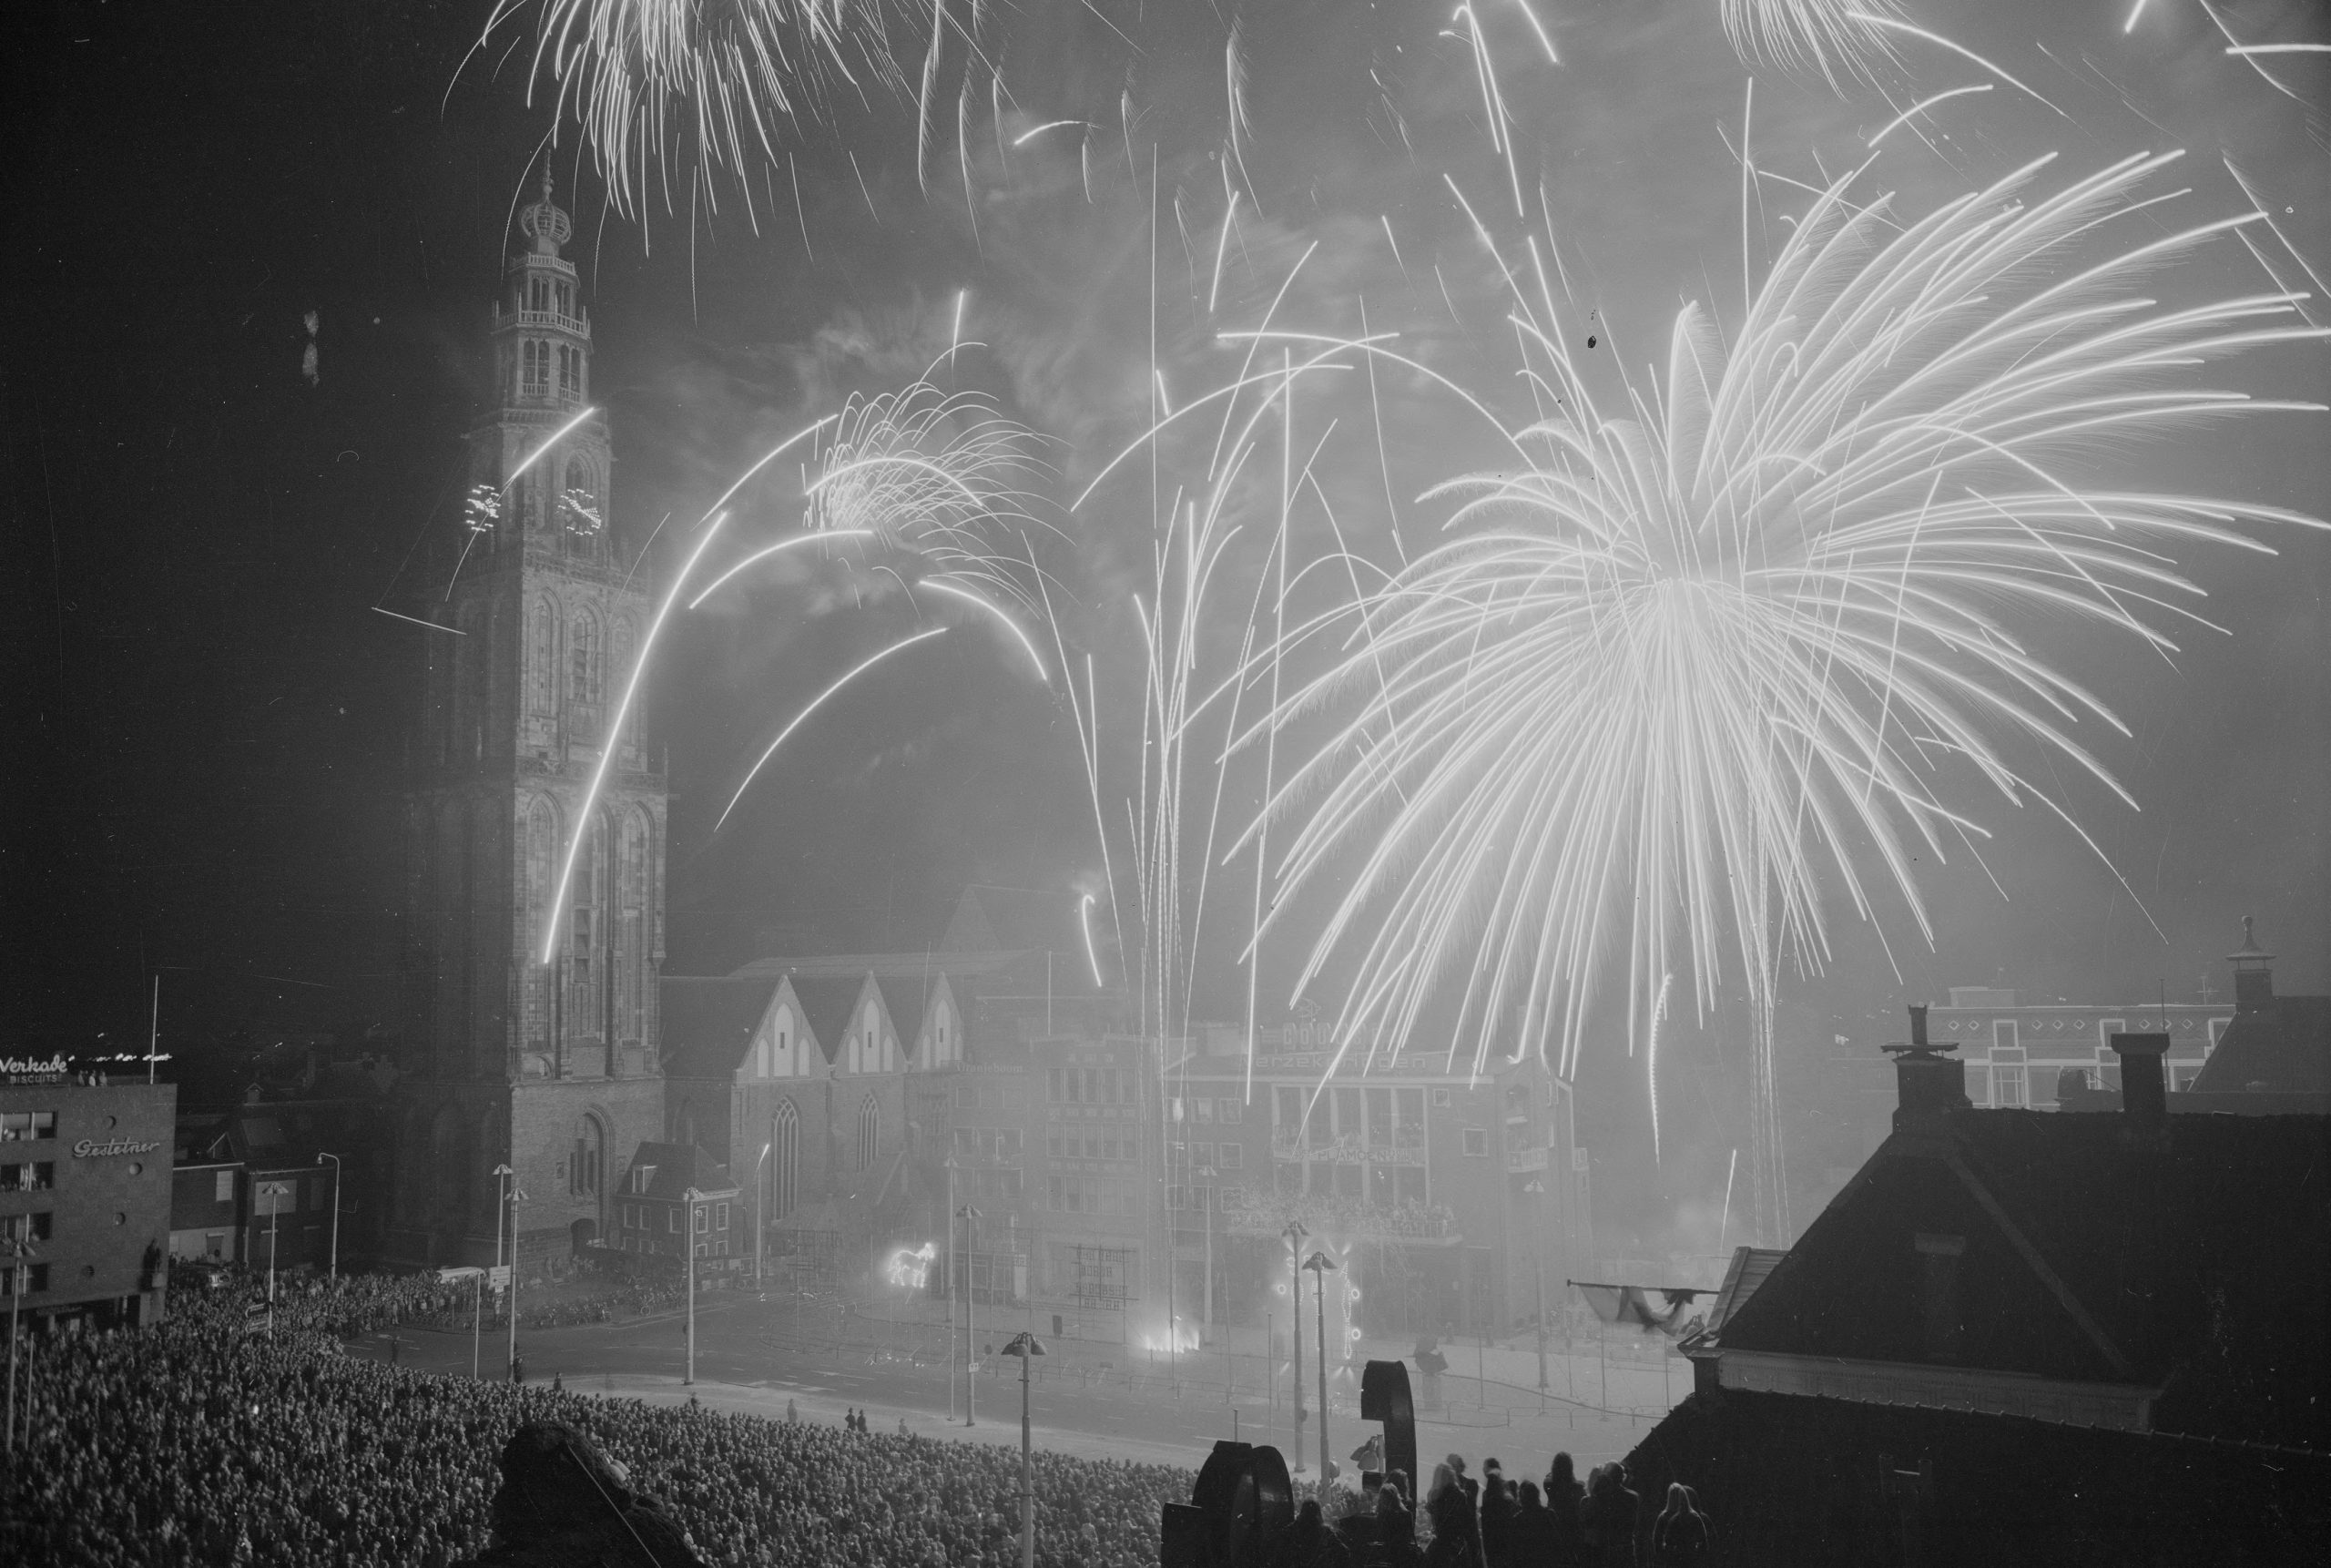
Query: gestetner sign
(97, 1149)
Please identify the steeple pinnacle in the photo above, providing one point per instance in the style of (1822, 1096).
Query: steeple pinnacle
(544, 221)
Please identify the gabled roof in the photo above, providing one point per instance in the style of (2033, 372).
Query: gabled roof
(2195, 1258)
(710, 1022)
(2282, 1043)
(907, 997)
(1013, 920)
(678, 1166)
(826, 1004)
(1749, 1268)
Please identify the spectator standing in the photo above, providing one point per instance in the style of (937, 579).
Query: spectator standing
(1532, 1529)
(1310, 1543)
(1680, 1537)
(1564, 1496)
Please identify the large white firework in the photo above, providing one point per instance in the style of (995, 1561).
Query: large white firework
(1709, 658)
(1840, 40)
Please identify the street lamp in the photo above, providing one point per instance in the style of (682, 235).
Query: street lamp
(335, 1212)
(18, 1248)
(1204, 1177)
(1320, 1264)
(1295, 1233)
(1027, 1345)
(1538, 1188)
(516, 1198)
(971, 1218)
(501, 1174)
(687, 1240)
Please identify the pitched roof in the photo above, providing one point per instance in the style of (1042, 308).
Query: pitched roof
(907, 996)
(709, 1023)
(677, 1168)
(2179, 1261)
(826, 1001)
(2282, 1042)
(1013, 920)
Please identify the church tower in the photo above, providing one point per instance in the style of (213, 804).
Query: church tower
(548, 1068)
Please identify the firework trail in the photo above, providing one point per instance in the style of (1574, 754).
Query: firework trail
(721, 83)
(1720, 643)
(1841, 41)
(915, 479)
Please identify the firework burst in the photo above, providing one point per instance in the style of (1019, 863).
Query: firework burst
(1842, 41)
(1736, 638)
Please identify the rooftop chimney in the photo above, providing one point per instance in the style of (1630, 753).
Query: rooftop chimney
(2144, 1096)
(2254, 980)
(1928, 1083)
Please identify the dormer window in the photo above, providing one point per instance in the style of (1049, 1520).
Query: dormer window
(642, 1177)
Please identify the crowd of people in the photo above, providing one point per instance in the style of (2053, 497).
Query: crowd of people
(1499, 1521)
(210, 1438)
(353, 1304)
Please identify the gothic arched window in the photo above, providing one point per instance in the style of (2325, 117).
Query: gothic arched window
(870, 1132)
(542, 853)
(534, 368)
(784, 1160)
(633, 879)
(619, 662)
(570, 370)
(542, 660)
(583, 653)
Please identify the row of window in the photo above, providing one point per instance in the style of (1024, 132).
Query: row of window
(1221, 1156)
(709, 1216)
(1092, 1086)
(1387, 1186)
(16, 1127)
(987, 1143)
(1197, 1200)
(537, 360)
(1390, 1117)
(1090, 1195)
(1229, 1112)
(986, 1097)
(35, 1278)
(27, 1176)
(26, 1227)
(1091, 1143)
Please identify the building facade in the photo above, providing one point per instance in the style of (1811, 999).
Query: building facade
(84, 1198)
(522, 1051)
(2015, 1053)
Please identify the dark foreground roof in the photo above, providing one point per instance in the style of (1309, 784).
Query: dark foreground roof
(1809, 1482)
(2197, 1262)
(2280, 1045)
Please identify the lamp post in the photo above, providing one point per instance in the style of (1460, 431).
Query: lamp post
(18, 1248)
(1203, 1176)
(687, 1240)
(1027, 1345)
(970, 1217)
(1320, 1264)
(516, 1198)
(335, 1213)
(273, 1192)
(501, 1175)
(1536, 1187)
(1295, 1233)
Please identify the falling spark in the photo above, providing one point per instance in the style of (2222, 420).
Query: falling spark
(823, 536)
(1084, 924)
(2135, 12)
(799, 718)
(1898, 24)
(416, 620)
(1024, 137)
(957, 590)
(614, 728)
(1651, 1059)
(1921, 107)
(1840, 40)
(554, 437)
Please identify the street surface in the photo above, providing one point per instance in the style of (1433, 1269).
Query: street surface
(756, 1355)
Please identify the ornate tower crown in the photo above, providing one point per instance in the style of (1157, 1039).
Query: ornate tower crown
(544, 222)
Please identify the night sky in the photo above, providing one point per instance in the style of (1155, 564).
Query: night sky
(210, 712)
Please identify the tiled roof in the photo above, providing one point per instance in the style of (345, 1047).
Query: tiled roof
(2197, 1260)
(677, 1168)
(2283, 1042)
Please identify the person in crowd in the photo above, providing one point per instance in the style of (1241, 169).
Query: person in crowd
(1679, 1537)
(1497, 1516)
(1563, 1497)
(1310, 1543)
(1456, 1525)
(1532, 1529)
(1608, 1518)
